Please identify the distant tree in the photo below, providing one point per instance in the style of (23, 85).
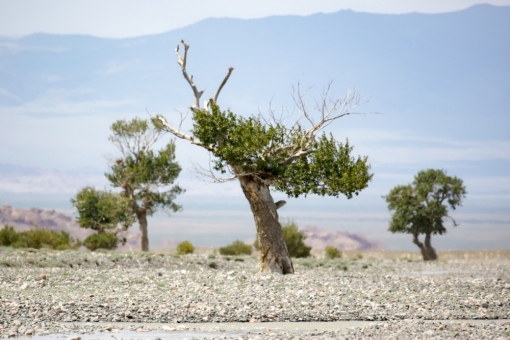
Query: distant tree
(145, 176)
(102, 210)
(422, 207)
(263, 154)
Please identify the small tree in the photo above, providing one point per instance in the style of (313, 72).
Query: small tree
(102, 210)
(422, 207)
(144, 175)
(265, 155)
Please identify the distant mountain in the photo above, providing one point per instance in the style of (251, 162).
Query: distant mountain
(25, 219)
(318, 238)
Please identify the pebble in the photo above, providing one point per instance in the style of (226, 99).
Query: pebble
(398, 296)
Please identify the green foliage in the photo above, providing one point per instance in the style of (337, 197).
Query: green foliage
(236, 248)
(36, 238)
(332, 252)
(144, 174)
(294, 238)
(100, 210)
(329, 170)
(105, 240)
(421, 207)
(252, 146)
(185, 247)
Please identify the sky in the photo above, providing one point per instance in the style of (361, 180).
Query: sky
(54, 121)
(131, 18)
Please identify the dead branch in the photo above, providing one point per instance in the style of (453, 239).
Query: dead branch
(177, 133)
(229, 72)
(182, 62)
(208, 173)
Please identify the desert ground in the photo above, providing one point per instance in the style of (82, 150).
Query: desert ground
(392, 295)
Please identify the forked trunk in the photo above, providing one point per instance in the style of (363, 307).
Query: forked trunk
(274, 256)
(431, 252)
(420, 245)
(142, 221)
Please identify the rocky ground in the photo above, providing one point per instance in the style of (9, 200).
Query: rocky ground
(45, 291)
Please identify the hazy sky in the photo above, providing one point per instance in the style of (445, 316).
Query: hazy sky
(129, 18)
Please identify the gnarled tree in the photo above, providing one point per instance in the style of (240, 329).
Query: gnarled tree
(422, 207)
(264, 155)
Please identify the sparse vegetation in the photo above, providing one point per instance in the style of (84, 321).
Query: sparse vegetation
(101, 241)
(236, 248)
(332, 252)
(185, 247)
(37, 238)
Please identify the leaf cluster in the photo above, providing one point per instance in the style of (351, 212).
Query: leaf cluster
(101, 209)
(143, 173)
(291, 159)
(328, 170)
(421, 207)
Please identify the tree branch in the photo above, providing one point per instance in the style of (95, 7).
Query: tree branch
(182, 135)
(182, 62)
(229, 72)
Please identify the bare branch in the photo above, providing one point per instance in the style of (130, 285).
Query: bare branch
(182, 62)
(208, 173)
(182, 135)
(455, 224)
(229, 72)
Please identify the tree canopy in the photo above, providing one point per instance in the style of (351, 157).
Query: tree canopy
(422, 206)
(102, 210)
(277, 154)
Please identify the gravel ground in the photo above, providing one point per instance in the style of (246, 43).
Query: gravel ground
(407, 299)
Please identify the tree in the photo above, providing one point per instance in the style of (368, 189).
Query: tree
(102, 210)
(144, 176)
(422, 207)
(264, 155)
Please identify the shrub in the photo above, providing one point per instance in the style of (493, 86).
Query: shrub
(37, 238)
(294, 238)
(236, 248)
(107, 241)
(332, 252)
(185, 247)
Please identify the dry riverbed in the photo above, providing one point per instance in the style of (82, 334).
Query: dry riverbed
(46, 292)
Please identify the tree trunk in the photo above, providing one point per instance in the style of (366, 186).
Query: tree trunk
(274, 256)
(431, 252)
(142, 222)
(424, 252)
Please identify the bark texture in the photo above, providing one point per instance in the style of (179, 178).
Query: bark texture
(427, 251)
(142, 222)
(274, 255)
(431, 252)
